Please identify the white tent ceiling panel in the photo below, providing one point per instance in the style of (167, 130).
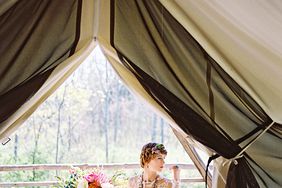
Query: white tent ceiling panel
(244, 37)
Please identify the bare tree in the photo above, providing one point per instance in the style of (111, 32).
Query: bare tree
(70, 129)
(117, 112)
(154, 127)
(162, 129)
(59, 108)
(16, 148)
(37, 127)
(106, 124)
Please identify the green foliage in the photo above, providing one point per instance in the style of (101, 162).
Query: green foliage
(120, 178)
(33, 158)
(72, 180)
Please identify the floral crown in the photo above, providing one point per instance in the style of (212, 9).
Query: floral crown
(159, 148)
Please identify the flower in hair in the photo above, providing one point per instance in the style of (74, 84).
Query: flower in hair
(157, 149)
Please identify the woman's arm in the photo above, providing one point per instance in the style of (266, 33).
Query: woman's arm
(176, 176)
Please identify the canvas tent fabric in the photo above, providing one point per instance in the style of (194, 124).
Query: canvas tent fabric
(38, 39)
(212, 68)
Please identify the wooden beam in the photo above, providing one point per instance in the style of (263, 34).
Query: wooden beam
(84, 166)
(28, 184)
(54, 183)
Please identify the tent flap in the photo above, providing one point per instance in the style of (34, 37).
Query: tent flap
(212, 68)
(192, 88)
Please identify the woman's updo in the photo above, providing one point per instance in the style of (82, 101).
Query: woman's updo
(150, 151)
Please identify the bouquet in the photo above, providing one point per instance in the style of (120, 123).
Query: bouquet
(92, 179)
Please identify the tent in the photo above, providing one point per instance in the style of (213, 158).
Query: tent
(211, 68)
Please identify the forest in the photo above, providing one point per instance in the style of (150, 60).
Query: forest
(91, 118)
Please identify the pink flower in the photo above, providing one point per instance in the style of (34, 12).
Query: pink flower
(91, 177)
(96, 179)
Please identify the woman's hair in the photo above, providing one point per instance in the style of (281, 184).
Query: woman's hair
(150, 151)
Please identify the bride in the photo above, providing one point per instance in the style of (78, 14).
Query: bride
(152, 161)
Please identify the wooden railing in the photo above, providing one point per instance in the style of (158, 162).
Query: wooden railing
(46, 167)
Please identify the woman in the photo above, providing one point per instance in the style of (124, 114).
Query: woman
(152, 161)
